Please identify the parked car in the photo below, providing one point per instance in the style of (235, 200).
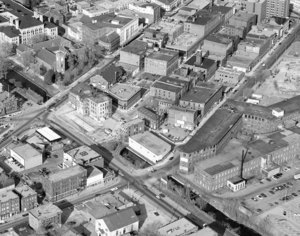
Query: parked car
(263, 195)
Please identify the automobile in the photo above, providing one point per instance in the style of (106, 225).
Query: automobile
(295, 194)
(259, 197)
(272, 192)
(162, 195)
(156, 213)
(289, 183)
(171, 158)
(26, 214)
(114, 189)
(263, 195)
(144, 186)
(254, 199)
(268, 179)
(258, 210)
(157, 196)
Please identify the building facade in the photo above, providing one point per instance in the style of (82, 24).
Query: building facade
(133, 127)
(278, 8)
(228, 76)
(182, 117)
(28, 197)
(9, 204)
(65, 183)
(151, 118)
(258, 8)
(134, 54)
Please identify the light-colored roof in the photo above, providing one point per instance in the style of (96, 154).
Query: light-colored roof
(26, 151)
(124, 91)
(48, 133)
(151, 142)
(66, 173)
(45, 211)
(25, 190)
(177, 228)
(83, 153)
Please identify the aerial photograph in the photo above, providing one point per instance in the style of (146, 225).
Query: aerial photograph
(150, 117)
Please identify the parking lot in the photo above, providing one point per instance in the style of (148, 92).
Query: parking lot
(273, 196)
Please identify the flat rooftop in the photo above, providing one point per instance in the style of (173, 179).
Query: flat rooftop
(203, 17)
(136, 47)
(289, 106)
(45, 211)
(124, 91)
(212, 131)
(205, 64)
(167, 87)
(177, 228)
(7, 196)
(83, 153)
(199, 94)
(66, 173)
(241, 16)
(25, 190)
(48, 133)
(218, 39)
(168, 26)
(151, 142)
(26, 151)
(227, 159)
(228, 70)
(184, 42)
(163, 55)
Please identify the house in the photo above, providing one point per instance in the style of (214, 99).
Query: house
(152, 120)
(117, 223)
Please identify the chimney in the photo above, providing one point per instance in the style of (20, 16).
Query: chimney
(41, 18)
(17, 23)
(198, 61)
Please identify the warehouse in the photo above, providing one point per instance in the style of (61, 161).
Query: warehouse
(149, 147)
(27, 156)
(48, 134)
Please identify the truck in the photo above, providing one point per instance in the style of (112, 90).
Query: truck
(297, 176)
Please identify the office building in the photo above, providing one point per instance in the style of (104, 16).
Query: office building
(163, 62)
(257, 7)
(151, 12)
(64, 183)
(182, 117)
(9, 204)
(278, 8)
(27, 196)
(133, 127)
(228, 76)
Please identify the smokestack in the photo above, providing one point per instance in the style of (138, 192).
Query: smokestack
(198, 61)
(17, 23)
(41, 18)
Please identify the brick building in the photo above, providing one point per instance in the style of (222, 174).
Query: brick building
(228, 76)
(243, 19)
(151, 118)
(257, 7)
(182, 117)
(210, 139)
(64, 183)
(9, 204)
(27, 196)
(202, 97)
(133, 127)
(163, 62)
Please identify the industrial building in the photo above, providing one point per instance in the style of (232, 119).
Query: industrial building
(84, 155)
(48, 134)
(133, 127)
(9, 203)
(210, 139)
(27, 156)
(124, 96)
(45, 216)
(228, 76)
(64, 183)
(182, 117)
(149, 147)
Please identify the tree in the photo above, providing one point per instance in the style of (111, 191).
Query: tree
(67, 78)
(71, 62)
(37, 39)
(6, 50)
(49, 77)
(27, 58)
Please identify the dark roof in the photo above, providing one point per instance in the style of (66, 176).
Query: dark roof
(163, 55)
(110, 37)
(109, 74)
(219, 9)
(206, 62)
(167, 2)
(168, 87)
(217, 38)
(23, 48)
(50, 25)
(174, 81)
(59, 42)
(149, 113)
(10, 31)
(17, 8)
(279, 20)
(289, 105)
(202, 17)
(120, 219)
(28, 22)
(46, 56)
(3, 19)
(212, 132)
(219, 168)
(199, 95)
(136, 47)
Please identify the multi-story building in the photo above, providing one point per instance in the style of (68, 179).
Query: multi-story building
(149, 11)
(214, 173)
(202, 97)
(43, 216)
(134, 54)
(278, 8)
(218, 47)
(124, 96)
(10, 35)
(86, 103)
(151, 118)
(257, 7)
(228, 76)
(167, 5)
(93, 28)
(182, 117)
(210, 139)
(243, 19)
(203, 23)
(64, 183)
(198, 63)
(163, 62)
(154, 37)
(133, 127)
(27, 196)
(172, 28)
(181, 227)
(9, 204)
(232, 30)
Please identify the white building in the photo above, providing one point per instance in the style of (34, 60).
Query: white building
(48, 134)
(117, 223)
(94, 176)
(27, 156)
(228, 76)
(168, 5)
(179, 227)
(236, 184)
(149, 147)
